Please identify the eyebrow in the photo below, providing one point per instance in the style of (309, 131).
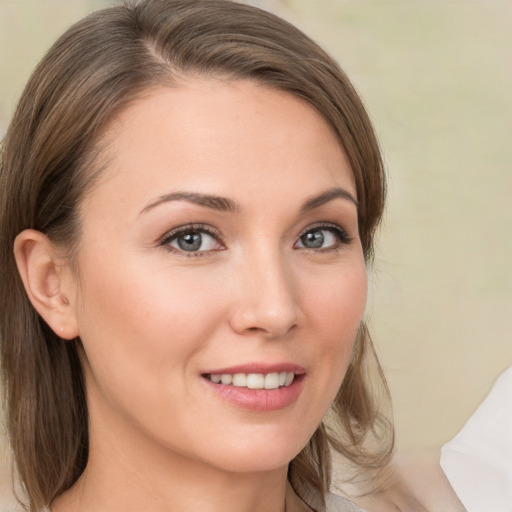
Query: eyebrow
(228, 205)
(329, 195)
(209, 201)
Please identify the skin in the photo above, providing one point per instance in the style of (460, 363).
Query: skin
(153, 318)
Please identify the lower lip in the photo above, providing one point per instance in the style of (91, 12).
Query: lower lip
(259, 399)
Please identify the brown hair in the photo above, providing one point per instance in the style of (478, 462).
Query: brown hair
(90, 74)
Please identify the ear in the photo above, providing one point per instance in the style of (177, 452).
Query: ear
(48, 282)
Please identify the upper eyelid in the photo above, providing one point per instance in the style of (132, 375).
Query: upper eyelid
(210, 230)
(324, 225)
(321, 224)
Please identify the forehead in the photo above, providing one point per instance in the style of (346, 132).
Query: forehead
(220, 138)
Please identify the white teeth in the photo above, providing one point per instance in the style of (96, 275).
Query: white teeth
(272, 381)
(240, 380)
(254, 380)
(226, 379)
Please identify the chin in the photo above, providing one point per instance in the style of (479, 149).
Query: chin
(260, 462)
(259, 452)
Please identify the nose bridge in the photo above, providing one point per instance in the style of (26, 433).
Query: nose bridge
(267, 300)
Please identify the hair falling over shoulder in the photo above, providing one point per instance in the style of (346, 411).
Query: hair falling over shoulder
(50, 158)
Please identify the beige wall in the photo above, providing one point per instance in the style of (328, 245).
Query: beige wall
(436, 77)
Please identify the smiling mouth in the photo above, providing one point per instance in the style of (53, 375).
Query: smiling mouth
(273, 380)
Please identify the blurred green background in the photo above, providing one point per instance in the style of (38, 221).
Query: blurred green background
(436, 77)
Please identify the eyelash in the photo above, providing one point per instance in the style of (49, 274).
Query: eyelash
(340, 234)
(189, 228)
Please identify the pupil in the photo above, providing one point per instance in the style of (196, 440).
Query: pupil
(190, 242)
(313, 239)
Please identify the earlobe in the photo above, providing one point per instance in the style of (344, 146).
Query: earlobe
(48, 282)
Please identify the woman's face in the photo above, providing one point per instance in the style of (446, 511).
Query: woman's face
(220, 245)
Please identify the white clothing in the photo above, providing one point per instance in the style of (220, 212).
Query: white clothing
(478, 460)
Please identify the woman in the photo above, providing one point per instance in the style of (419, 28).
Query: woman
(191, 190)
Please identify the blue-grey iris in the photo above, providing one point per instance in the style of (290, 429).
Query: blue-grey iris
(313, 239)
(190, 241)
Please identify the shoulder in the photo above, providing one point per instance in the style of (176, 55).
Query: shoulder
(335, 503)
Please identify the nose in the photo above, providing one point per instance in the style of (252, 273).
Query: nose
(266, 298)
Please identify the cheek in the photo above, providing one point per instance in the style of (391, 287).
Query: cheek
(139, 324)
(127, 298)
(336, 310)
(143, 331)
(337, 301)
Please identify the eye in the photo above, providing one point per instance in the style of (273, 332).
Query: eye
(323, 237)
(192, 239)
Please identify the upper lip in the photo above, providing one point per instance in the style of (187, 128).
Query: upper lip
(256, 367)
